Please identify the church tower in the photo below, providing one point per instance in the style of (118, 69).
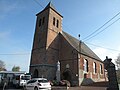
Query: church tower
(45, 51)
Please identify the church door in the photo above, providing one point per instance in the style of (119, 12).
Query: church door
(67, 75)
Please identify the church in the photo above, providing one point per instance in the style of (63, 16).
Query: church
(78, 63)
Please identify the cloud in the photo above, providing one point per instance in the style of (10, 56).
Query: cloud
(8, 49)
(6, 7)
(5, 38)
(18, 60)
(4, 35)
(118, 47)
(102, 53)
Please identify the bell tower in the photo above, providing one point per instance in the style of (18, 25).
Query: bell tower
(45, 51)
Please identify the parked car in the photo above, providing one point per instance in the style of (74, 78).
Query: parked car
(38, 83)
(20, 80)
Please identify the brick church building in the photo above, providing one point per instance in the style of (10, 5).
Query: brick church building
(78, 63)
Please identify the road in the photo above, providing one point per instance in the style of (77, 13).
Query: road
(12, 89)
(72, 88)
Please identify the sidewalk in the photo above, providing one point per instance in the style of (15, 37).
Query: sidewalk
(80, 88)
(73, 88)
(87, 88)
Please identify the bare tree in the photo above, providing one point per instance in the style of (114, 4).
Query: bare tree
(118, 62)
(2, 66)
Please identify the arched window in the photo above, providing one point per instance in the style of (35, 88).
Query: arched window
(94, 68)
(85, 65)
(40, 22)
(43, 21)
(54, 21)
(101, 69)
(57, 25)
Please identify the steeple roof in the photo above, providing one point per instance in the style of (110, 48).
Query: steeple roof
(50, 5)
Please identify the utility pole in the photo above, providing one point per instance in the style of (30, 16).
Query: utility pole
(79, 44)
(79, 55)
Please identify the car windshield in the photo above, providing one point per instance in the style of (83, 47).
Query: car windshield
(25, 77)
(42, 81)
(31, 81)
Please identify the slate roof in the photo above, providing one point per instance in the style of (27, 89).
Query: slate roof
(85, 50)
(50, 5)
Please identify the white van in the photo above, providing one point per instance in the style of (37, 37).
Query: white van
(20, 80)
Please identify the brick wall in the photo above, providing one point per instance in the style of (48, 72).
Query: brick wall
(49, 46)
(45, 52)
(90, 74)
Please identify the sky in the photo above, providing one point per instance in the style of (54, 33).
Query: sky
(18, 19)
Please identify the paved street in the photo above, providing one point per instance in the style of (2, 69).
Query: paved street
(73, 88)
(12, 89)
(87, 88)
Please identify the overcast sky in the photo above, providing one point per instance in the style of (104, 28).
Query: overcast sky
(18, 19)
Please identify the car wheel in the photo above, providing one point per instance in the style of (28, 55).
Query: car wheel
(35, 88)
